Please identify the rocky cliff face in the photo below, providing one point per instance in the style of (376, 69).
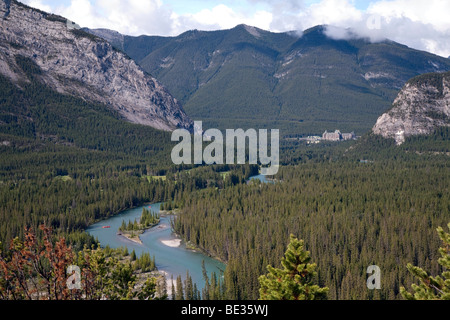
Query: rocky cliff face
(77, 63)
(115, 38)
(421, 106)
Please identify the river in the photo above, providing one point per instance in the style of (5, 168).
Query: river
(259, 177)
(158, 241)
(173, 260)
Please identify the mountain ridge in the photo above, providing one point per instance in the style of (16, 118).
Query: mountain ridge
(301, 83)
(77, 63)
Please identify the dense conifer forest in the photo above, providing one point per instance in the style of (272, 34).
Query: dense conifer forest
(67, 163)
(350, 215)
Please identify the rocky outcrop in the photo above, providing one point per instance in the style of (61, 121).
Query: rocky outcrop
(78, 63)
(115, 38)
(421, 106)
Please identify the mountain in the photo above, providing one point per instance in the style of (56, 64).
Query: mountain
(73, 62)
(301, 83)
(113, 37)
(421, 107)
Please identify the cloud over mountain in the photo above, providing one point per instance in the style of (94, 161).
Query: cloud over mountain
(419, 24)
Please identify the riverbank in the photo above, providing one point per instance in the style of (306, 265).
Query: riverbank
(194, 248)
(116, 213)
(169, 257)
(132, 237)
(170, 212)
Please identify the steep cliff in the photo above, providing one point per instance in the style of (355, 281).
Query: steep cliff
(80, 64)
(421, 106)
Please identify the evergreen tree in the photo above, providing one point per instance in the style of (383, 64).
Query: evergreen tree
(197, 295)
(133, 255)
(432, 288)
(179, 295)
(206, 289)
(294, 281)
(188, 287)
(129, 226)
(123, 227)
(161, 288)
(148, 290)
(214, 287)
(172, 292)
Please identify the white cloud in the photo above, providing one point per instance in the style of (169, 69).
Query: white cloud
(38, 4)
(332, 12)
(420, 24)
(80, 11)
(133, 17)
(221, 17)
(285, 14)
(424, 25)
(434, 12)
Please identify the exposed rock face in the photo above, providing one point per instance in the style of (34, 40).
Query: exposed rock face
(421, 106)
(113, 37)
(77, 63)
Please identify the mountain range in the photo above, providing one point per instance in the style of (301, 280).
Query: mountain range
(245, 77)
(302, 83)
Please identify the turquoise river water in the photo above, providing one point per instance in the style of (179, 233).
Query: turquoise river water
(159, 242)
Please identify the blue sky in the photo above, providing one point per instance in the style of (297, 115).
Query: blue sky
(421, 24)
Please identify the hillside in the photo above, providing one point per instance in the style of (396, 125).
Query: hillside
(248, 77)
(73, 62)
(420, 108)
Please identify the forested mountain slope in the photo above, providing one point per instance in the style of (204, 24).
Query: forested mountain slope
(248, 77)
